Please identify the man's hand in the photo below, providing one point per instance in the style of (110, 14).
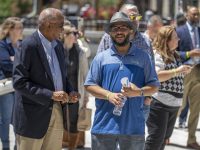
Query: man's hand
(60, 96)
(131, 91)
(194, 53)
(185, 69)
(115, 98)
(74, 97)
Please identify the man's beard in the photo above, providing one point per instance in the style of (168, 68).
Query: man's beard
(124, 43)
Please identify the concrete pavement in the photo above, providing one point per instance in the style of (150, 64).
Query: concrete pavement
(177, 141)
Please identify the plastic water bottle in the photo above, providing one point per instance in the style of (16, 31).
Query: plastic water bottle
(118, 109)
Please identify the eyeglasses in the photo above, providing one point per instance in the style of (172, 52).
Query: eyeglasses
(119, 29)
(135, 17)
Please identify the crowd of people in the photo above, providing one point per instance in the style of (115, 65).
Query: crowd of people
(52, 81)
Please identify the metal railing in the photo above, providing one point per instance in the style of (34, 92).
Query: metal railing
(92, 24)
(95, 25)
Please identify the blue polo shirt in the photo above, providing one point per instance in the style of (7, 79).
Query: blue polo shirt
(106, 70)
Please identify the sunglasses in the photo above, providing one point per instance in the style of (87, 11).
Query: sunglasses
(119, 29)
(75, 33)
(135, 17)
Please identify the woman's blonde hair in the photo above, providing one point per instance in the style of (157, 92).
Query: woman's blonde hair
(160, 44)
(7, 25)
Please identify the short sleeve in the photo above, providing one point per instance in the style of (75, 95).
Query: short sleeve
(159, 63)
(94, 74)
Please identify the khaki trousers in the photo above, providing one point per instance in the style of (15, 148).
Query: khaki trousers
(52, 139)
(192, 92)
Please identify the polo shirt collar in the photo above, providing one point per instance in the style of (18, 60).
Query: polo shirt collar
(131, 50)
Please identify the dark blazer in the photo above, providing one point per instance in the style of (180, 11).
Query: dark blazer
(6, 65)
(33, 82)
(185, 42)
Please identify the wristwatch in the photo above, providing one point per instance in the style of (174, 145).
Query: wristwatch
(141, 92)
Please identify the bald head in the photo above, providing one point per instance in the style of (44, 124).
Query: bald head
(50, 23)
(49, 15)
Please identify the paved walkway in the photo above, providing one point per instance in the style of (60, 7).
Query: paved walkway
(178, 139)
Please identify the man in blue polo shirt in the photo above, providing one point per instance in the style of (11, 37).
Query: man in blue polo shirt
(103, 81)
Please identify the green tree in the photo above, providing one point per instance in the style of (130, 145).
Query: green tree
(5, 8)
(108, 2)
(24, 6)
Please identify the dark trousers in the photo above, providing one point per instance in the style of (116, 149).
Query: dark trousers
(160, 125)
(72, 117)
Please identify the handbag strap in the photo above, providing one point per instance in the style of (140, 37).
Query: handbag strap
(68, 121)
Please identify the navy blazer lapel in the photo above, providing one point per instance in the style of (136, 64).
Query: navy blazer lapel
(187, 35)
(199, 34)
(61, 61)
(43, 55)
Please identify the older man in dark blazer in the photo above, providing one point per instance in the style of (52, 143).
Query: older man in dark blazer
(42, 88)
(189, 48)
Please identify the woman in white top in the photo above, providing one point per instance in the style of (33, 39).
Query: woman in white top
(168, 99)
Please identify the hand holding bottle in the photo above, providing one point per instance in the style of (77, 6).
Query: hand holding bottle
(131, 91)
(118, 108)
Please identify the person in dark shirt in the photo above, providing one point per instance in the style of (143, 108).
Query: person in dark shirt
(77, 68)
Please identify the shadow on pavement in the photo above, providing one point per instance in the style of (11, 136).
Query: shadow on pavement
(86, 148)
(179, 146)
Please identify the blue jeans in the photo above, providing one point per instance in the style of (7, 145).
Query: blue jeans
(112, 142)
(6, 106)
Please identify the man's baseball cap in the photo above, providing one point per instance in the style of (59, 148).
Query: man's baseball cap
(120, 17)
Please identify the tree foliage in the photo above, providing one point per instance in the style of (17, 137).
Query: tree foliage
(5, 8)
(107, 2)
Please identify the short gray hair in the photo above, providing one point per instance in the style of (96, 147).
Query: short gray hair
(128, 6)
(153, 20)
